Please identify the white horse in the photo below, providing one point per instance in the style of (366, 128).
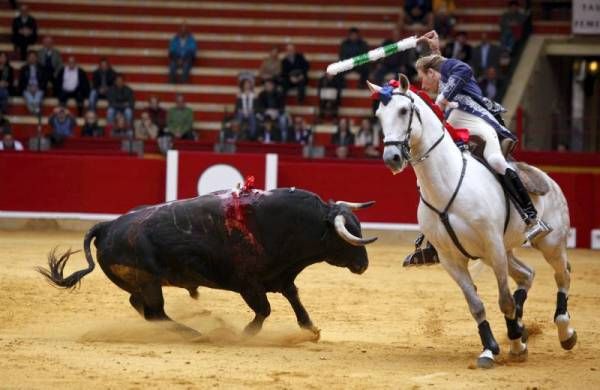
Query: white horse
(476, 216)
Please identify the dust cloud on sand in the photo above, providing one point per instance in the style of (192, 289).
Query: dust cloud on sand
(388, 328)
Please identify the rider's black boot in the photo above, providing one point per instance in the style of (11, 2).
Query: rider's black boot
(536, 228)
(421, 256)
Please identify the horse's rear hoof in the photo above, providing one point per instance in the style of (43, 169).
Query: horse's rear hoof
(486, 359)
(569, 343)
(519, 357)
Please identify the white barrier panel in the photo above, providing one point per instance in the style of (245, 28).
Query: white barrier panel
(172, 175)
(595, 239)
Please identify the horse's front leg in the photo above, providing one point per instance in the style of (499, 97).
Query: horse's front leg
(459, 271)
(498, 258)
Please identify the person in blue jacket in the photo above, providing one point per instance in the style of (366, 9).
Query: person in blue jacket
(182, 53)
(464, 105)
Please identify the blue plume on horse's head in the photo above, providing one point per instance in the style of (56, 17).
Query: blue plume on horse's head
(384, 95)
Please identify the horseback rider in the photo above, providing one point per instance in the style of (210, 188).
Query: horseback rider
(459, 96)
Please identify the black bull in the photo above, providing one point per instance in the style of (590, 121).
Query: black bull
(251, 242)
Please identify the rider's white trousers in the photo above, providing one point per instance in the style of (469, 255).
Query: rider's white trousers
(477, 126)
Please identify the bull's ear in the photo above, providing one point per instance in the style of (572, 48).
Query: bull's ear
(404, 83)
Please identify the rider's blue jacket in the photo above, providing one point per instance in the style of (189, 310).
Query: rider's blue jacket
(459, 85)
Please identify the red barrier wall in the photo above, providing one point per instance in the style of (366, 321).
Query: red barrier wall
(76, 183)
(114, 184)
(396, 196)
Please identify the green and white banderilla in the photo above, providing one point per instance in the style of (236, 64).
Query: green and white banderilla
(371, 56)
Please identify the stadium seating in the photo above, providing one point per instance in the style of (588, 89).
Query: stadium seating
(232, 36)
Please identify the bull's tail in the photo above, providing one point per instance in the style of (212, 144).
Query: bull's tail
(56, 264)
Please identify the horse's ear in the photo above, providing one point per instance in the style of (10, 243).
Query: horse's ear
(404, 83)
(373, 88)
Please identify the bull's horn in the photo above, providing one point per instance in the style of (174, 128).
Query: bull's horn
(354, 205)
(340, 228)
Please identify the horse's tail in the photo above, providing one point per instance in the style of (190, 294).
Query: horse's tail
(56, 264)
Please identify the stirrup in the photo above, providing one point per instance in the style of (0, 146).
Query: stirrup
(422, 256)
(537, 229)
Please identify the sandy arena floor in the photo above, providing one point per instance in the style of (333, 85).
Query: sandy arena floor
(388, 328)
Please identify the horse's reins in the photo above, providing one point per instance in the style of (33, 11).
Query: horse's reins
(404, 146)
(405, 150)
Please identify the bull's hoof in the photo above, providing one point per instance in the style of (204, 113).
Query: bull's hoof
(569, 343)
(486, 360)
(316, 332)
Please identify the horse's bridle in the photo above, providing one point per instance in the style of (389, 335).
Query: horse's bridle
(404, 145)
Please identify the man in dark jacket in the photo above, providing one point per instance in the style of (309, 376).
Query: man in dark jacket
(120, 99)
(24, 31)
(294, 71)
(72, 83)
(271, 105)
(102, 79)
(31, 73)
(459, 48)
(50, 60)
(353, 46)
(486, 54)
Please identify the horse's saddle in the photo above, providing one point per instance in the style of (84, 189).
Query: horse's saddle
(532, 179)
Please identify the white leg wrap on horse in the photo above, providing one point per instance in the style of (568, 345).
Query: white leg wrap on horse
(564, 331)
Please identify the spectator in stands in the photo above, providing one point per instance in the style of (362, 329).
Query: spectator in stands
(90, 127)
(245, 109)
(416, 11)
(182, 53)
(9, 143)
(367, 138)
(103, 79)
(4, 124)
(329, 91)
(6, 81)
(231, 132)
(158, 115)
(271, 105)
(50, 60)
(62, 124)
(24, 31)
(72, 83)
(395, 64)
(294, 72)
(31, 73)
(365, 135)
(120, 99)
(511, 25)
(180, 120)
(443, 17)
(486, 54)
(301, 132)
(459, 48)
(343, 136)
(270, 69)
(269, 133)
(353, 46)
(33, 99)
(144, 128)
(490, 84)
(121, 128)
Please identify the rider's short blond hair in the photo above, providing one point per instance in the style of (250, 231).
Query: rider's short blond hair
(432, 61)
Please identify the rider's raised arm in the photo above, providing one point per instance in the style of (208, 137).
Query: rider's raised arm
(458, 74)
(433, 41)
